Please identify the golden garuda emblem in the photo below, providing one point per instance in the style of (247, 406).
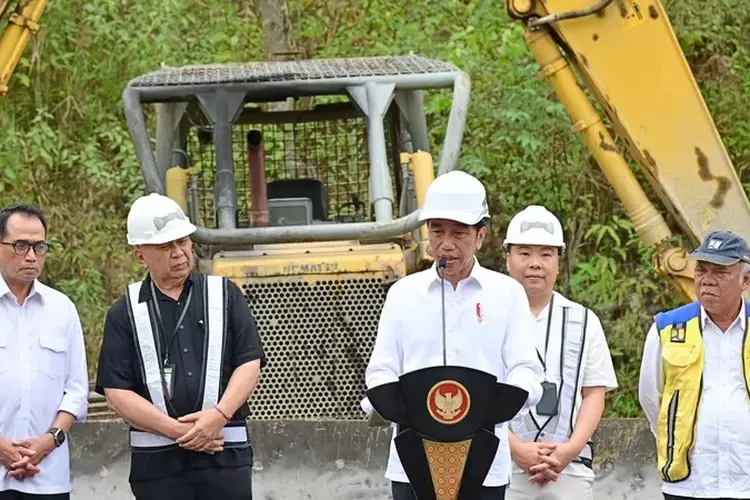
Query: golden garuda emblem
(448, 402)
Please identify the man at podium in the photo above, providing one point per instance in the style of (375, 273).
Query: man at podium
(453, 345)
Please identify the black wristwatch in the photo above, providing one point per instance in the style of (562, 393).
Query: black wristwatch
(58, 435)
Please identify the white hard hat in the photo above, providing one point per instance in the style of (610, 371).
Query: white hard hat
(457, 196)
(155, 219)
(535, 225)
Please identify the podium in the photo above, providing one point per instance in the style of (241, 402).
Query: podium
(446, 417)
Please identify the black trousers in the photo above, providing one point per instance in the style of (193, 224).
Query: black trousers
(198, 484)
(402, 491)
(17, 495)
(673, 497)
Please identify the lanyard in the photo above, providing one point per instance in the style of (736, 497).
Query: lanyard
(546, 338)
(179, 321)
(563, 334)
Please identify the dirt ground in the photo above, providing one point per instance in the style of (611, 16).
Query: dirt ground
(349, 484)
(343, 461)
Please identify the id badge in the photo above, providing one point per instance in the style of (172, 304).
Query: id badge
(168, 381)
(547, 406)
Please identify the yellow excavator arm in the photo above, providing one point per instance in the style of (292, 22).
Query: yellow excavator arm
(23, 23)
(624, 56)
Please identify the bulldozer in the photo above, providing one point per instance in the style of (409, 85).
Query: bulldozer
(312, 210)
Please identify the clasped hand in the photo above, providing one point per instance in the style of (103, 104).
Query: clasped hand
(21, 458)
(545, 461)
(201, 431)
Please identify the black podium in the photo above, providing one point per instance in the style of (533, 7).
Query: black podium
(446, 417)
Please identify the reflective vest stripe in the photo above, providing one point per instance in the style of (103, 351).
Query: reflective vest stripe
(146, 343)
(572, 377)
(215, 309)
(237, 435)
(215, 344)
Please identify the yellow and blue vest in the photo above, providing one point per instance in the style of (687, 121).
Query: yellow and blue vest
(681, 336)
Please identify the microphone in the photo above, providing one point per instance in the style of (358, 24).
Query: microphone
(441, 270)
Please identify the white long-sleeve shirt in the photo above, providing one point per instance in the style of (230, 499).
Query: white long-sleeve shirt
(720, 459)
(499, 340)
(42, 371)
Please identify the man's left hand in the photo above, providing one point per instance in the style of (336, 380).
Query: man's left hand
(207, 426)
(40, 446)
(560, 457)
(545, 472)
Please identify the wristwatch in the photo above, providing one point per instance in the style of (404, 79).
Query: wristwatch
(58, 435)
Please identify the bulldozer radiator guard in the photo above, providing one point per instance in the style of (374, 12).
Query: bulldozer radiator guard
(318, 333)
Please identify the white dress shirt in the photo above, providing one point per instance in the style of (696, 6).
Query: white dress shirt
(598, 370)
(410, 337)
(42, 371)
(720, 459)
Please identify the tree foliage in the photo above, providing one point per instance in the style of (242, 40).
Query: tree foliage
(65, 144)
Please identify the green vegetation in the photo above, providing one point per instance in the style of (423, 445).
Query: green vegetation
(65, 145)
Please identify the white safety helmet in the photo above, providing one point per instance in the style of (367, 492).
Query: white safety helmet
(156, 219)
(456, 196)
(535, 225)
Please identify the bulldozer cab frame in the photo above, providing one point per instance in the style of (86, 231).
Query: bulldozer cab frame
(312, 212)
(216, 99)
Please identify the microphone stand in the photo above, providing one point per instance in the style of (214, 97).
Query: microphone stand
(441, 270)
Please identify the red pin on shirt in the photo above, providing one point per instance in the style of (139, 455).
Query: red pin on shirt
(479, 312)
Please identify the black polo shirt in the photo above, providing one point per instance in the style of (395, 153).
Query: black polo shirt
(119, 367)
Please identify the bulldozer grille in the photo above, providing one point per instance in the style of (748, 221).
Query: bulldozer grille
(331, 148)
(286, 71)
(317, 336)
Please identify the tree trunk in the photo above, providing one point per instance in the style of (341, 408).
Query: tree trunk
(277, 40)
(279, 45)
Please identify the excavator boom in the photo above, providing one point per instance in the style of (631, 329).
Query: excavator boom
(22, 25)
(625, 54)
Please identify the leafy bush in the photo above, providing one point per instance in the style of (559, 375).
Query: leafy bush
(65, 144)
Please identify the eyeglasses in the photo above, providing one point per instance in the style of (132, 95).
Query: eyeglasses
(22, 247)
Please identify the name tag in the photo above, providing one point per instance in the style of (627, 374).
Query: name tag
(168, 380)
(547, 406)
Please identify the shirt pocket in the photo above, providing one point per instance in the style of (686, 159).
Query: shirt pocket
(681, 356)
(52, 355)
(680, 360)
(4, 352)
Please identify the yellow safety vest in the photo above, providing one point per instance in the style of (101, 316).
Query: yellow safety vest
(681, 336)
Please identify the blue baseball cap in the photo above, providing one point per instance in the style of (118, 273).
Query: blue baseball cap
(723, 248)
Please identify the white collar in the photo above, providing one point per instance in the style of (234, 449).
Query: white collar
(742, 317)
(477, 272)
(557, 300)
(37, 289)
